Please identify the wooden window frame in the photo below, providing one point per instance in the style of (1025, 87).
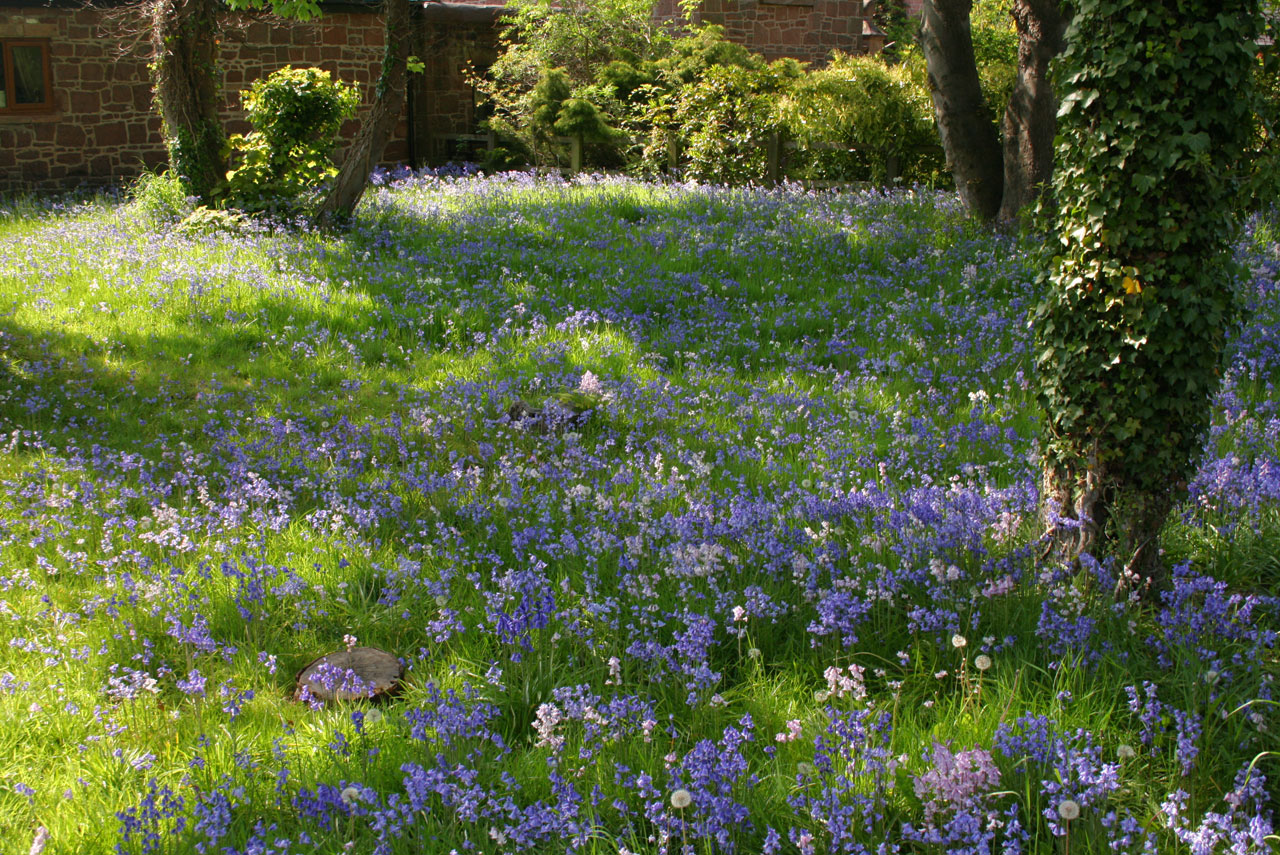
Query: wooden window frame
(11, 108)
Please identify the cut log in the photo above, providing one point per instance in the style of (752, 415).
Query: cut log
(361, 673)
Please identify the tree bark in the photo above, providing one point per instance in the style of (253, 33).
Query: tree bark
(1030, 120)
(188, 93)
(965, 122)
(366, 151)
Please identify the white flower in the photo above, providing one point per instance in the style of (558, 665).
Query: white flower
(590, 384)
(681, 799)
(958, 641)
(372, 717)
(40, 841)
(350, 795)
(806, 770)
(1126, 752)
(754, 653)
(1069, 810)
(349, 640)
(982, 662)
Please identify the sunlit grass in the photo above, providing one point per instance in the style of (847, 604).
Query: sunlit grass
(772, 434)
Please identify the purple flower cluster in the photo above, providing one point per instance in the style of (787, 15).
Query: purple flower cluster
(626, 486)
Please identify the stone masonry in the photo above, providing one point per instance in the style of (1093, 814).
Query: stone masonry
(103, 129)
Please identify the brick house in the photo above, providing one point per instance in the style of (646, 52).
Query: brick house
(75, 95)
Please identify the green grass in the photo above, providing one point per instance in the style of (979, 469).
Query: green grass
(286, 436)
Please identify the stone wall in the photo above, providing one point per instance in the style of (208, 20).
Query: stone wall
(104, 131)
(807, 30)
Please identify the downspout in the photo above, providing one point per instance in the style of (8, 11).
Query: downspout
(410, 97)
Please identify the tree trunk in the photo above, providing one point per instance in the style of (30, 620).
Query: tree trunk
(965, 122)
(1030, 120)
(184, 54)
(371, 142)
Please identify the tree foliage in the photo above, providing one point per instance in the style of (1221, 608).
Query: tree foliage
(1153, 131)
(1263, 190)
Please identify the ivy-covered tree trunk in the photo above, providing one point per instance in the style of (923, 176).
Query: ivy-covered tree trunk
(1030, 119)
(965, 122)
(366, 151)
(184, 51)
(1139, 294)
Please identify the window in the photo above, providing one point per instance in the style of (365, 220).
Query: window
(26, 85)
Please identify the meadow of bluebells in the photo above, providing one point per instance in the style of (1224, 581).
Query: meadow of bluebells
(703, 520)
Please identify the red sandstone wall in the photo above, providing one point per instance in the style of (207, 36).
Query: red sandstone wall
(104, 130)
(808, 30)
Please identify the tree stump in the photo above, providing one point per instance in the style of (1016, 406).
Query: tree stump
(360, 673)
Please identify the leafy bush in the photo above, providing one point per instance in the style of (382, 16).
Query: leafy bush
(160, 197)
(207, 221)
(558, 112)
(726, 117)
(995, 47)
(576, 41)
(880, 112)
(705, 48)
(296, 114)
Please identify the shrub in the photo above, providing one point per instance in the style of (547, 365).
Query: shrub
(296, 114)
(725, 118)
(161, 197)
(859, 103)
(576, 41)
(558, 112)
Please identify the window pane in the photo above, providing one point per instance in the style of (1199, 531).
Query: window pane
(28, 74)
(4, 98)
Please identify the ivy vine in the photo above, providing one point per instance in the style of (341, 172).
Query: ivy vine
(1153, 128)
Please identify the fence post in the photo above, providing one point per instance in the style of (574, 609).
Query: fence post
(893, 168)
(673, 154)
(773, 155)
(575, 154)
(490, 141)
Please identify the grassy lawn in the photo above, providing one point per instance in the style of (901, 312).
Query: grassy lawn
(702, 520)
